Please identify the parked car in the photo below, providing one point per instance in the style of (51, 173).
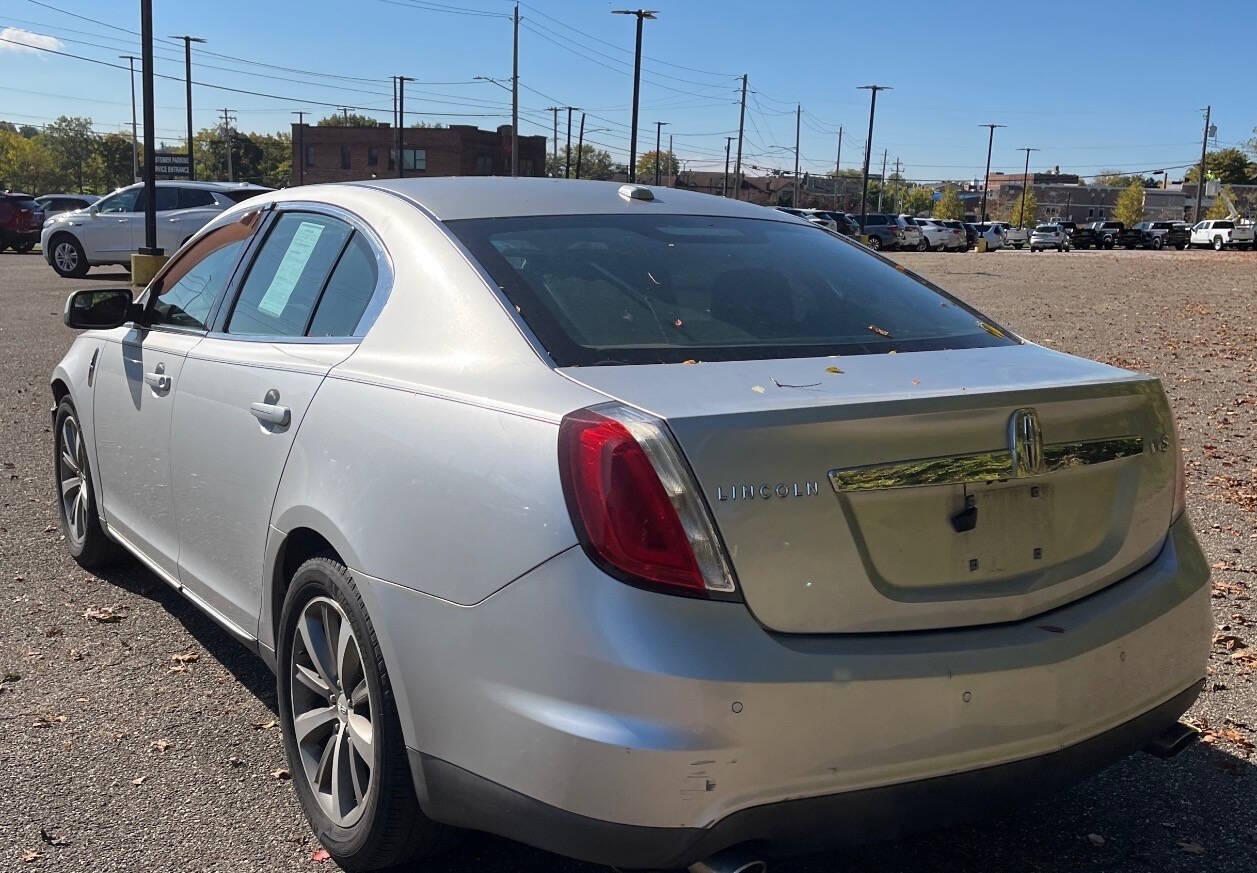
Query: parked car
(522, 485)
(1154, 235)
(910, 236)
(1105, 233)
(1016, 237)
(21, 216)
(108, 231)
(941, 237)
(844, 223)
(55, 204)
(882, 231)
(1080, 237)
(1222, 234)
(992, 233)
(1049, 236)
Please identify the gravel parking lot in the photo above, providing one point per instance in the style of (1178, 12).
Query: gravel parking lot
(148, 742)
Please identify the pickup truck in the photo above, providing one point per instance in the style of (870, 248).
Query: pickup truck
(1105, 233)
(1222, 234)
(1079, 237)
(1016, 237)
(1154, 235)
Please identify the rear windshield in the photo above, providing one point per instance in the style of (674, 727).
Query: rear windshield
(908, 220)
(1046, 228)
(22, 202)
(646, 289)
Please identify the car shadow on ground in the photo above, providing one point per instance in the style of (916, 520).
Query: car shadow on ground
(121, 276)
(1191, 812)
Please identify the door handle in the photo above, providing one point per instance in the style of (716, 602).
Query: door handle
(158, 380)
(269, 413)
(121, 220)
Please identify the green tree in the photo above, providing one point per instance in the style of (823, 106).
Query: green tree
(916, 200)
(1010, 211)
(1129, 209)
(352, 119)
(1229, 166)
(950, 206)
(72, 144)
(113, 167)
(668, 166)
(594, 163)
(25, 165)
(1218, 209)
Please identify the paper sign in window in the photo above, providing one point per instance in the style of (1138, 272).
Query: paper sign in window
(290, 269)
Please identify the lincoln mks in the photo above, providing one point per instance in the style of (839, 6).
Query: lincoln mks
(643, 526)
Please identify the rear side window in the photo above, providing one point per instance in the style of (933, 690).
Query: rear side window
(1223, 225)
(192, 198)
(348, 291)
(167, 199)
(288, 275)
(637, 289)
(240, 196)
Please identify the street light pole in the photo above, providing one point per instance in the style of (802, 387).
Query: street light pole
(150, 149)
(986, 180)
(868, 149)
(580, 144)
(567, 164)
(187, 77)
(798, 119)
(642, 15)
(515, 99)
(1200, 177)
(1025, 186)
(401, 123)
(135, 137)
(658, 157)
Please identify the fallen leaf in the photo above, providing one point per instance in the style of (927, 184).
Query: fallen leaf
(30, 856)
(1096, 839)
(320, 855)
(916, 381)
(690, 361)
(833, 370)
(880, 331)
(10, 676)
(1191, 847)
(161, 745)
(281, 774)
(139, 781)
(758, 389)
(235, 762)
(51, 840)
(1230, 642)
(264, 725)
(185, 657)
(105, 614)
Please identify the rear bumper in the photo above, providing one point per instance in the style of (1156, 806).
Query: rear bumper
(587, 717)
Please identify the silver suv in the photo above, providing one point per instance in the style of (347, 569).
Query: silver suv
(1049, 236)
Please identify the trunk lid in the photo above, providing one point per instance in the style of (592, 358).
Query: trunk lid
(885, 497)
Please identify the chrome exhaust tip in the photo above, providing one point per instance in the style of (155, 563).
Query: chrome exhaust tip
(1173, 740)
(731, 860)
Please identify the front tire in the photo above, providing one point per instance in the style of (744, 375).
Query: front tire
(923, 246)
(85, 539)
(68, 257)
(347, 757)
(875, 243)
(24, 246)
(1217, 244)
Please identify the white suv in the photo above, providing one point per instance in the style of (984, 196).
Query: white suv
(109, 230)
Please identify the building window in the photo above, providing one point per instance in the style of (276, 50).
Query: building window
(344, 157)
(392, 158)
(415, 159)
(373, 156)
(310, 156)
(525, 167)
(484, 165)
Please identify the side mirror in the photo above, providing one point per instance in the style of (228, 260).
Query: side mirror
(100, 310)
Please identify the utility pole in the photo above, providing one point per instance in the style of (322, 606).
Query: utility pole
(187, 78)
(231, 176)
(1025, 186)
(515, 103)
(555, 110)
(1200, 178)
(135, 137)
(671, 157)
(580, 144)
(345, 111)
(986, 180)
(567, 166)
(724, 184)
(737, 167)
(882, 187)
(898, 185)
(798, 120)
(150, 150)
(868, 149)
(658, 156)
(401, 124)
(838, 170)
(642, 15)
(301, 145)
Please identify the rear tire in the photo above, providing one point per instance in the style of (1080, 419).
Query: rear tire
(68, 257)
(24, 246)
(384, 826)
(85, 539)
(1157, 243)
(875, 243)
(1218, 244)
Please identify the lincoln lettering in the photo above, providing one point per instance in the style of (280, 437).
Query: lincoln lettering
(765, 491)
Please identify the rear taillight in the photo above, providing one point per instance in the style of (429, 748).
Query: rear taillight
(635, 505)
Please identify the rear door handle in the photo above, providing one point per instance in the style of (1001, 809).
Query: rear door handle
(271, 413)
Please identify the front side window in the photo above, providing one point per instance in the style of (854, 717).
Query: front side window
(122, 201)
(188, 287)
(288, 275)
(637, 289)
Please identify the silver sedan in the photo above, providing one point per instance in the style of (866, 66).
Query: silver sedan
(633, 523)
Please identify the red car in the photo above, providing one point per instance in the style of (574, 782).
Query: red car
(21, 220)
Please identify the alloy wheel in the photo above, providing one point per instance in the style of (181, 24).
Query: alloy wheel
(332, 711)
(66, 256)
(72, 477)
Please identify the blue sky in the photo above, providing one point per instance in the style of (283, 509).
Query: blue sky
(1053, 79)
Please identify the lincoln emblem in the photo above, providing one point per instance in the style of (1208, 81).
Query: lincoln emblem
(1025, 442)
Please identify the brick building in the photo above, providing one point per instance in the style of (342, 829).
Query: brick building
(341, 154)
